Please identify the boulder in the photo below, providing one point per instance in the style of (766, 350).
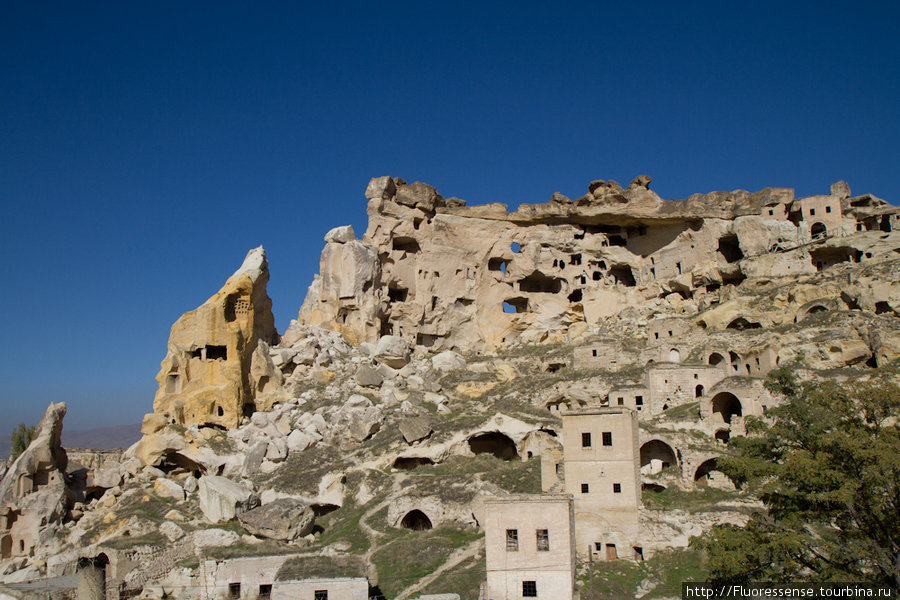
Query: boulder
(414, 429)
(366, 376)
(171, 531)
(392, 351)
(448, 361)
(222, 499)
(340, 235)
(284, 519)
(210, 538)
(166, 488)
(297, 441)
(380, 188)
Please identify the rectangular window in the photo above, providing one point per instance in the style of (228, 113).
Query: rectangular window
(585, 488)
(812, 212)
(771, 212)
(512, 540)
(529, 589)
(234, 590)
(595, 353)
(639, 400)
(265, 591)
(607, 438)
(828, 209)
(543, 540)
(617, 488)
(585, 440)
(598, 546)
(621, 401)
(320, 595)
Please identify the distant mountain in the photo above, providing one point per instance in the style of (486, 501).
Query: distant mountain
(102, 438)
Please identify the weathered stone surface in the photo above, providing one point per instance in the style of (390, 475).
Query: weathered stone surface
(341, 235)
(448, 361)
(222, 499)
(210, 538)
(211, 348)
(172, 531)
(166, 488)
(392, 351)
(284, 519)
(366, 376)
(414, 429)
(33, 491)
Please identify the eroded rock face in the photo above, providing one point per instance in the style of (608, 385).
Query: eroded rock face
(217, 364)
(444, 276)
(33, 491)
(283, 519)
(222, 499)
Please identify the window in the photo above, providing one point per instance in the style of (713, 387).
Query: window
(771, 212)
(543, 540)
(585, 488)
(529, 589)
(621, 401)
(598, 546)
(617, 488)
(234, 590)
(639, 400)
(812, 212)
(607, 438)
(512, 540)
(594, 352)
(656, 333)
(320, 595)
(265, 590)
(585, 440)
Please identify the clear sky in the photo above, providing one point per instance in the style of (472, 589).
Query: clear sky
(146, 146)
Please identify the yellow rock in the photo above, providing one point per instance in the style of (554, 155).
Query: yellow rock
(475, 389)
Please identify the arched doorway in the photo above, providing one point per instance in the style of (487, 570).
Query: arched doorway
(727, 405)
(818, 230)
(674, 355)
(698, 391)
(494, 443)
(416, 520)
(658, 450)
(701, 475)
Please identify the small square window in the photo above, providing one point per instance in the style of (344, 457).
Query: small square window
(512, 540)
(320, 595)
(585, 488)
(617, 488)
(585, 440)
(543, 540)
(265, 591)
(812, 212)
(607, 438)
(234, 590)
(598, 546)
(639, 400)
(594, 352)
(656, 334)
(828, 209)
(771, 212)
(529, 589)
(621, 401)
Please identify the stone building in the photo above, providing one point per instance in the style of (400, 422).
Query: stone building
(530, 547)
(602, 473)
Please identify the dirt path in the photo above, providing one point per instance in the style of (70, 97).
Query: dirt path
(458, 556)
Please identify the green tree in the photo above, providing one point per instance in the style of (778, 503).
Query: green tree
(21, 437)
(827, 468)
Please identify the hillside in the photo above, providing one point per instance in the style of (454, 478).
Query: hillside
(442, 360)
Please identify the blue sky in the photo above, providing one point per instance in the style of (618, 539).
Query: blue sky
(145, 147)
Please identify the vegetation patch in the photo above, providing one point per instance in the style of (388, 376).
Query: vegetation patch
(416, 554)
(665, 572)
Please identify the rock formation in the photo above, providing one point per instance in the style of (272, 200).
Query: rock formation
(217, 365)
(444, 276)
(33, 492)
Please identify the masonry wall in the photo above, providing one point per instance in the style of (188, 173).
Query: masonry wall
(603, 479)
(551, 570)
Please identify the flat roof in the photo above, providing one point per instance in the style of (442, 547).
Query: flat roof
(597, 410)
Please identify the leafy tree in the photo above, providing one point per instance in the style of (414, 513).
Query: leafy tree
(827, 468)
(21, 437)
